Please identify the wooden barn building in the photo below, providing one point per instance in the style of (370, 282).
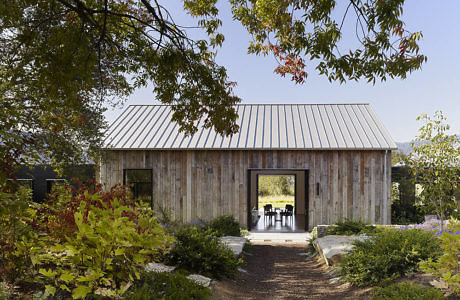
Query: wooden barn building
(339, 154)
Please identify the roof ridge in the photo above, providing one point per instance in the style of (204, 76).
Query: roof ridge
(260, 104)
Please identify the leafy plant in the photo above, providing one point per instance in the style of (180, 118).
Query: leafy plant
(199, 250)
(388, 255)
(447, 267)
(225, 225)
(435, 163)
(406, 291)
(16, 234)
(56, 215)
(350, 227)
(104, 256)
(166, 286)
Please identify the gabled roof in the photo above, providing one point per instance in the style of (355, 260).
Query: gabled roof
(262, 126)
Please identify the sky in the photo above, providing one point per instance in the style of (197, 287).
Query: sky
(397, 102)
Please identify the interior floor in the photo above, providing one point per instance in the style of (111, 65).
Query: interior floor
(296, 223)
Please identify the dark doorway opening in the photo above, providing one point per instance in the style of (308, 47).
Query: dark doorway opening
(278, 200)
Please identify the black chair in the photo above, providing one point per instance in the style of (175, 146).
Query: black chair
(268, 212)
(288, 211)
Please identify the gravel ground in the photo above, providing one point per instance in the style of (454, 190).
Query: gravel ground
(277, 271)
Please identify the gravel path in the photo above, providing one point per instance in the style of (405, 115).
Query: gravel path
(277, 271)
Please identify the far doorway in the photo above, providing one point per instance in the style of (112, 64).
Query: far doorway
(278, 200)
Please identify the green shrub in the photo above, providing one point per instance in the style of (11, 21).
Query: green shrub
(447, 266)
(199, 250)
(406, 291)
(225, 225)
(388, 255)
(110, 246)
(17, 235)
(350, 227)
(166, 286)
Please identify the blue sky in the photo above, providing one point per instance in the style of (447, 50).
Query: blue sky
(397, 102)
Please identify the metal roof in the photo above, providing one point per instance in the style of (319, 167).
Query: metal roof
(262, 126)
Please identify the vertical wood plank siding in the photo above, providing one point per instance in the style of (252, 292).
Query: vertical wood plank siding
(207, 184)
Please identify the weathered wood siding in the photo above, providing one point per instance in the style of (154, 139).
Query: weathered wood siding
(206, 184)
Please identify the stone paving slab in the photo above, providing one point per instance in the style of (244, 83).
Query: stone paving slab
(333, 248)
(159, 267)
(200, 279)
(236, 243)
(277, 237)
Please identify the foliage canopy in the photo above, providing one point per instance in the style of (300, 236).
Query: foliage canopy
(64, 61)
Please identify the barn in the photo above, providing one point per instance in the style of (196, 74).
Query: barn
(339, 155)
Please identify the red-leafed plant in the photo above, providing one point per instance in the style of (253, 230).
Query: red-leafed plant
(56, 216)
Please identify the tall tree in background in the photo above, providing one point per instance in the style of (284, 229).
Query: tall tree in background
(64, 61)
(435, 162)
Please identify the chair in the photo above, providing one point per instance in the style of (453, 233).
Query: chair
(288, 211)
(268, 212)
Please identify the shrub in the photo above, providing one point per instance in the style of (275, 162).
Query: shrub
(103, 256)
(166, 286)
(350, 227)
(406, 291)
(225, 225)
(447, 267)
(56, 215)
(388, 255)
(16, 233)
(199, 250)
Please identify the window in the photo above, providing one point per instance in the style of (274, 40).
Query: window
(140, 181)
(51, 183)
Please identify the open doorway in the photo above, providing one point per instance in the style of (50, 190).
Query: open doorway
(278, 200)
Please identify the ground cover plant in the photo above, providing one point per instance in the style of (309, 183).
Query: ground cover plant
(198, 249)
(173, 286)
(350, 227)
(388, 255)
(447, 267)
(406, 291)
(225, 225)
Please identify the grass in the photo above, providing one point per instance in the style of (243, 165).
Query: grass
(277, 201)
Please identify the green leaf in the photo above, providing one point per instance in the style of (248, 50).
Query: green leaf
(49, 289)
(48, 273)
(64, 287)
(80, 292)
(67, 276)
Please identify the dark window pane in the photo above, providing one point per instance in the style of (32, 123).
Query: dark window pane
(138, 176)
(140, 182)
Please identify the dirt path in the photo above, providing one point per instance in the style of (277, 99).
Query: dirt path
(277, 271)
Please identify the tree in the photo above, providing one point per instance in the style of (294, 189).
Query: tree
(435, 162)
(64, 61)
(398, 157)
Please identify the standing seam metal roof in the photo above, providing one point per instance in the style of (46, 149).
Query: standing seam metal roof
(262, 126)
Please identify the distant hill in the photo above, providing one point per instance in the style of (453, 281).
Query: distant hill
(404, 147)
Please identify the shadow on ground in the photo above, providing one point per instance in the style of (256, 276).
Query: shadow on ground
(278, 271)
